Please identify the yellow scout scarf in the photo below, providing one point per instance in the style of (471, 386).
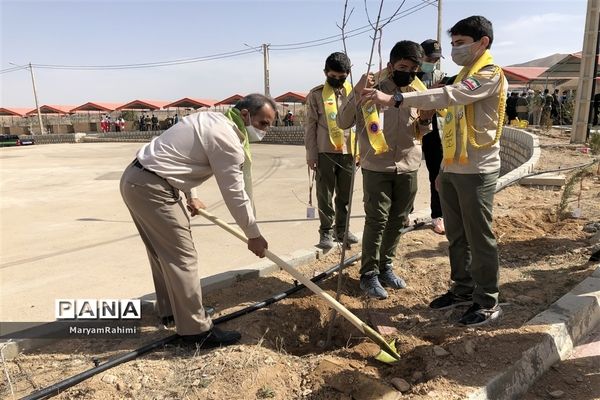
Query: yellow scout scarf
(336, 135)
(234, 115)
(371, 116)
(465, 114)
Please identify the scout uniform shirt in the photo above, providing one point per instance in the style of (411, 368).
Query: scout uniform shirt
(399, 128)
(316, 132)
(483, 93)
(199, 146)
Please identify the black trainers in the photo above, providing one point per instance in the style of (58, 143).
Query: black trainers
(371, 286)
(352, 238)
(477, 315)
(388, 278)
(170, 320)
(211, 339)
(450, 300)
(325, 241)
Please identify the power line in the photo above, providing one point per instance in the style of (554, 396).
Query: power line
(359, 31)
(219, 56)
(150, 64)
(12, 69)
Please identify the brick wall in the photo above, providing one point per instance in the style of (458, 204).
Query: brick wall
(519, 153)
(285, 135)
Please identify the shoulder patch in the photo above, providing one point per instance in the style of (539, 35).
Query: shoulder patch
(489, 71)
(470, 83)
(318, 87)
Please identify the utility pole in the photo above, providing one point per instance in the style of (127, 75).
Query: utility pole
(587, 73)
(265, 48)
(439, 28)
(37, 106)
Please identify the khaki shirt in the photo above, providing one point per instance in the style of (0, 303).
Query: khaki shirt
(484, 99)
(399, 124)
(199, 146)
(316, 132)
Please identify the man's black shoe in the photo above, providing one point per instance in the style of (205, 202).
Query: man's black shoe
(450, 300)
(170, 320)
(211, 339)
(477, 315)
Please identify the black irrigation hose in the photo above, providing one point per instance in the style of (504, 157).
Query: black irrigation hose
(58, 387)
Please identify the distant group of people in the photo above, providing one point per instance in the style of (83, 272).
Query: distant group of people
(148, 122)
(108, 125)
(540, 107)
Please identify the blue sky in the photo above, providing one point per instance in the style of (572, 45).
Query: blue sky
(130, 32)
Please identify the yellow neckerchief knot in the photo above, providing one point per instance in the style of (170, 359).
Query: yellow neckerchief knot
(464, 114)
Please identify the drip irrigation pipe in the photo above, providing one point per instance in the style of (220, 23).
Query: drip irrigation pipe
(58, 387)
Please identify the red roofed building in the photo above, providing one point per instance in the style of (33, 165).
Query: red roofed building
(96, 107)
(143, 105)
(231, 100)
(292, 97)
(52, 109)
(13, 112)
(188, 102)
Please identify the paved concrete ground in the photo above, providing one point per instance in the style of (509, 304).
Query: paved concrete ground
(65, 232)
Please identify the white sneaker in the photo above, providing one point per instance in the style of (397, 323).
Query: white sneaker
(438, 225)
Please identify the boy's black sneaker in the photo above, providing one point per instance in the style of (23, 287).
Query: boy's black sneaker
(450, 300)
(477, 315)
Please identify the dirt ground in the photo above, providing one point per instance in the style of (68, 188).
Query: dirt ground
(544, 253)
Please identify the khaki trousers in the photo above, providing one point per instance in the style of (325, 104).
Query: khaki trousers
(164, 226)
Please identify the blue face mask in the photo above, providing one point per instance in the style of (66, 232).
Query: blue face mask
(427, 67)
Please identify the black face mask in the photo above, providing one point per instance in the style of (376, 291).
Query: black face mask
(336, 82)
(403, 78)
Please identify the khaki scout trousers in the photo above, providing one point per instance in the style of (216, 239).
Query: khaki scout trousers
(388, 198)
(467, 202)
(334, 173)
(164, 226)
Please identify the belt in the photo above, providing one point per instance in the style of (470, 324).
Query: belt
(138, 164)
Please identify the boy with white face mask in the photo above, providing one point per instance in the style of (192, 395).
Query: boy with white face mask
(467, 179)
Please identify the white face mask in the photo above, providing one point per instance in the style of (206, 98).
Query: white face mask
(462, 55)
(255, 134)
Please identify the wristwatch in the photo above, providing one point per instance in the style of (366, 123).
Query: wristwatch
(398, 98)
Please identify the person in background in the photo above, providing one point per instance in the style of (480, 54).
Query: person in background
(329, 150)
(511, 106)
(522, 107)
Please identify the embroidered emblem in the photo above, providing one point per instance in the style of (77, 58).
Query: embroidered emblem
(470, 83)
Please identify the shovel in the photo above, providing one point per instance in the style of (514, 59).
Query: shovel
(386, 349)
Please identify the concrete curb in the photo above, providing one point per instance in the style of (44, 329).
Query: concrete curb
(564, 324)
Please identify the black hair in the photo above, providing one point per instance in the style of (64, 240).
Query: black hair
(338, 62)
(474, 26)
(254, 102)
(406, 49)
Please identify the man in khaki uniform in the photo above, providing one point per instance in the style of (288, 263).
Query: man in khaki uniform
(389, 170)
(468, 176)
(328, 150)
(183, 157)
